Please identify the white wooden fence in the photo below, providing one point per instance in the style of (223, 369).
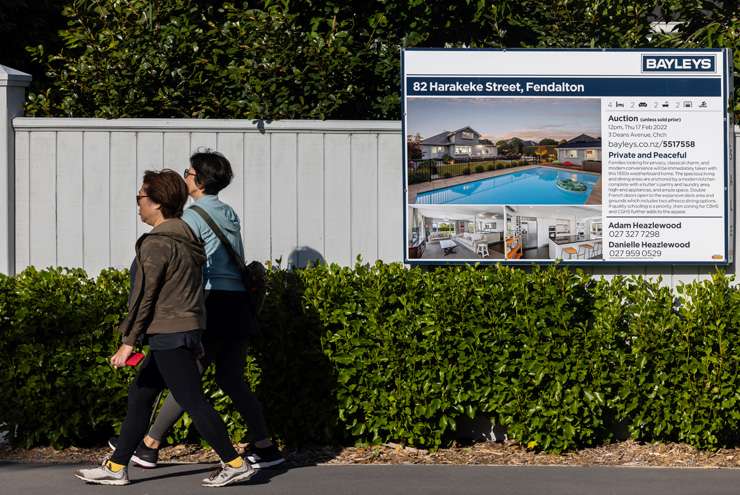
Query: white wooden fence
(333, 188)
(303, 189)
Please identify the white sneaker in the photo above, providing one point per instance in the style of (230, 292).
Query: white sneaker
(144, 456)
(207, 478)
(262, 458)
(103, 476)
(228, 475)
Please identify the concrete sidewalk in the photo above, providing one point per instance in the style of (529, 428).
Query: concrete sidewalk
(181, 479)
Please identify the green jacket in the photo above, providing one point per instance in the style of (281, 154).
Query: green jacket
(167, 295)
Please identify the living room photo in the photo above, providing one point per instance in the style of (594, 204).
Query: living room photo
(440, 232)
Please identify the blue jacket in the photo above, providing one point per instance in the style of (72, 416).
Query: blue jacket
(219, 272)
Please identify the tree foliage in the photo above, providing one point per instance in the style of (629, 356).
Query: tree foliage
(29, 22)
(319, 59)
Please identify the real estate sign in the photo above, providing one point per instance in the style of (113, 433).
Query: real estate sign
(584, 156)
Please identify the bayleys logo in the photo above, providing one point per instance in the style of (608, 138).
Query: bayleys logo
(678, 63)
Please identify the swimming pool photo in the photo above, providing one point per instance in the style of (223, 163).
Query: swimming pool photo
(532, 186)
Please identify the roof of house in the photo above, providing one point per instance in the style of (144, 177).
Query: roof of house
(438, 139)
(582, 141)
(466, 128)
(443, 138)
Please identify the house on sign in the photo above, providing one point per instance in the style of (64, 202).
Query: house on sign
(580, 149)
(462, 143)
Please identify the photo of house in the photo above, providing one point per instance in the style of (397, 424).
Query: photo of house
(555, 232)
(462, 143)
(456, 232)
(580, 149)
(504, 151)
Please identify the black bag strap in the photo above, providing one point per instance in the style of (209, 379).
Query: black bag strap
(235, 257)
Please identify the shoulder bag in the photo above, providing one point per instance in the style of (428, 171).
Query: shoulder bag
(253, 275)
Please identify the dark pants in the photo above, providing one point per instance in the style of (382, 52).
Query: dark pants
(225, 342)
(177, 370)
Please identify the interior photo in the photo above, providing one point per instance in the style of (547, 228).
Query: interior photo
(553, 232)
(456, 232)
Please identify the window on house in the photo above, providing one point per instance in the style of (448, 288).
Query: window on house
(572, 154)
(467, 135)
(462, 150)
(590, 154)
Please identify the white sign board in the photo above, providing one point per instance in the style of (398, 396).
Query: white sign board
(584, 156)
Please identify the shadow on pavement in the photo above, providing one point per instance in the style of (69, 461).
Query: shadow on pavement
(260, 477)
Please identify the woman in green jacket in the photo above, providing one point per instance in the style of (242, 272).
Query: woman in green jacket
(167, 308)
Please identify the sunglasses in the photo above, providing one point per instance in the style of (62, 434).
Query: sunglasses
(138, 197)
(187, 173)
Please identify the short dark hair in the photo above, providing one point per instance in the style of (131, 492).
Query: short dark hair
(168, 189)
(213, 171)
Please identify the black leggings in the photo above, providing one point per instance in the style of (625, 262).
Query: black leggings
(230, 359)
(175, 369)
(225, 343)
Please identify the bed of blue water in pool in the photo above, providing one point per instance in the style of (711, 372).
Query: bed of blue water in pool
(534, 186)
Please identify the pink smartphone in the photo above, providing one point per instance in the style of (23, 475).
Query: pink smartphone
(134, 359)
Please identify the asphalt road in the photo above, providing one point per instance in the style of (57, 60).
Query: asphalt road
(182, 479)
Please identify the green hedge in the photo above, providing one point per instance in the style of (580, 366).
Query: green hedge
(378, 353)
(55, 340)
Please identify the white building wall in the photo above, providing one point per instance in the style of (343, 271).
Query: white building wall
(581, 155)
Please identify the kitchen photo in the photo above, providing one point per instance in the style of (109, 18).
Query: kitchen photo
(569, 233)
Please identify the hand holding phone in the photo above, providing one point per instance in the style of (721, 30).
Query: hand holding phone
(134, 359)
(118, 360)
